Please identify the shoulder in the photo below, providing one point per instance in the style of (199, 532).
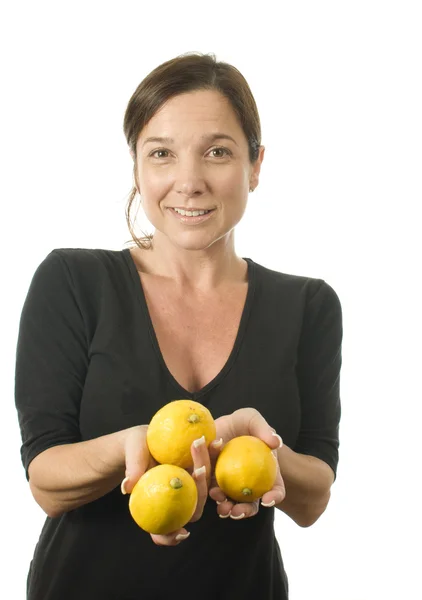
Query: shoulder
(81, 262)
(309, 288)
(85, 257)
(85, 272)
(81, 280)
(282, 278)
(311, 301)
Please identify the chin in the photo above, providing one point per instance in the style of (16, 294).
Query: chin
(192, 245)
(196, 240)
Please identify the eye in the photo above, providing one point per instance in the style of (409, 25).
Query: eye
(220, 149)
(161, 153)
(155, 152)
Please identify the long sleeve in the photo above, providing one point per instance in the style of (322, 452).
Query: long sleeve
(51, 361)
(318, 373)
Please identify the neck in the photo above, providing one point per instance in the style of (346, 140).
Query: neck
(204, 270)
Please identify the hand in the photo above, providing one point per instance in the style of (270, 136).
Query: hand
(138, 460)
(247, 421)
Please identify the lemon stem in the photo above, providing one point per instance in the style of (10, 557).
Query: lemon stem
(246, 491)
(176, 483)
(193, 418)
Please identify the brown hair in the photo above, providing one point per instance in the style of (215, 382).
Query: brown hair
(186, 73)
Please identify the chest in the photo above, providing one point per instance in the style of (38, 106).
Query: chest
(143, 344)
(195, 335)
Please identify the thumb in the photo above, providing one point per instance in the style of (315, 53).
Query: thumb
(259, 428)
(136, 458)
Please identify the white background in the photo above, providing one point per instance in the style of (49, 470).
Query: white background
(338, 87)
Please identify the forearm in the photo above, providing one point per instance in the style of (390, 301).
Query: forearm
(308, 481)
(65, 477)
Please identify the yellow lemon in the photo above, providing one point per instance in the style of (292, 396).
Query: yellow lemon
(246, 469)
(163, 500)
(173, 429)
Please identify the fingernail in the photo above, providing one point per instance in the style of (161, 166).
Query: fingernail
(222, 501)
(280, 440)
(217, 443)
(182, 536)
(123, 484)
(269, 504)
(200, 471)
(237, 518)
(199, 442)
(225, 516)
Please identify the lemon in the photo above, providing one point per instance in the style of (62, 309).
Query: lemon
(246, 469)
(163, 500)
(173, 429)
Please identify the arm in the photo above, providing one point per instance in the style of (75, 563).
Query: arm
(309, 469)
(307, 481)
(52, 358)
(65, 477)
(52, 362)
(302, 487)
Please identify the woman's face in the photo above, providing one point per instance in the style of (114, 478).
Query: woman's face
(193, 156)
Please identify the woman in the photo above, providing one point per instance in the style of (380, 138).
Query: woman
(108, 337)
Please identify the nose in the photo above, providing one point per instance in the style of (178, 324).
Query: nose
(189, 178)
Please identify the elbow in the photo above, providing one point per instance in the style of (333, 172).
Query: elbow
(44, 502)
(43, 497)
(53, 513)
(308, 520)
(313, 512)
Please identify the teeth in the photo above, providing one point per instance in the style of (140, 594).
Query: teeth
(189, 213)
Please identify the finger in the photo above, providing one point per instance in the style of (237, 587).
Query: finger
(224, 508)
(200, 478)
(251, 420)
(201, 457)
(217, 494)
(201, 474)
(244, 510)
(259, 427)
(214, 451)
(277, 494)
(171, 539)
(137, 458)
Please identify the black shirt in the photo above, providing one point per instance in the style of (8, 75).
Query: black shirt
(88, 363)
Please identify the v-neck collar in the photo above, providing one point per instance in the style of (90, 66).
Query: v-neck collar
(140, 293)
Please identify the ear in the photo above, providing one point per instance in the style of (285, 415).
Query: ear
(132, 154)
(254, 178)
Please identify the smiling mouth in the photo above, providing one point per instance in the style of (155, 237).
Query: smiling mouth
(191, 217)
(191, 212)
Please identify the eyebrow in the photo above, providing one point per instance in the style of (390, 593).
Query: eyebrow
(208, 137)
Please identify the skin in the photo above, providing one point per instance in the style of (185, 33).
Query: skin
(245, 421)
(139, 460)
(199, 261)
(193, 171)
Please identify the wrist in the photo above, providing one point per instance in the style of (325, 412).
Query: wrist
(128, 440)
(307, 480)
(107, 455)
